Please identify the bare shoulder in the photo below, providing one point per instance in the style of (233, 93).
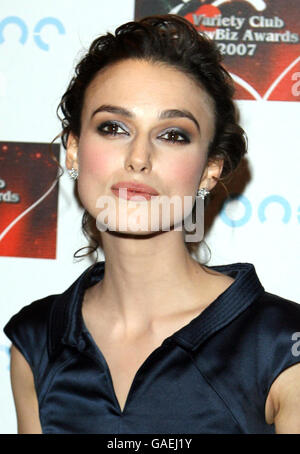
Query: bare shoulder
(24, 394)
(283, 401)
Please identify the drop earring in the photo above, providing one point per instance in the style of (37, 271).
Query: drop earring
(73, 173)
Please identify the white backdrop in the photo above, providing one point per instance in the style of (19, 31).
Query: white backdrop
(32, 80)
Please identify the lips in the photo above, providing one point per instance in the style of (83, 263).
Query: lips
(137, 188)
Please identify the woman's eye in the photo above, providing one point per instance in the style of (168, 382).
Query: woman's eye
(111, 128)
(175, 137)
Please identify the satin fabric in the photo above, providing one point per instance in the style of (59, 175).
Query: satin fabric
(211, 376)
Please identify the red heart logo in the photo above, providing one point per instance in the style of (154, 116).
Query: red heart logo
(28, 200)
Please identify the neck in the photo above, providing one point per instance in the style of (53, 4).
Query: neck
(147, 277)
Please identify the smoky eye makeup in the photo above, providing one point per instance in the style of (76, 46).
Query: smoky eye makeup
(112, 128)
(172, 135)
(175, 135)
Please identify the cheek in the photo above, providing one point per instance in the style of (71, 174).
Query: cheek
(97, 163)
(184, 173)
(95, 159)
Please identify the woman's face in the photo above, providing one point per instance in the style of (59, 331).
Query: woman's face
(142, 122)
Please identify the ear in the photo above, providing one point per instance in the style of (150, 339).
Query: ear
(212, 173)
(72, 152)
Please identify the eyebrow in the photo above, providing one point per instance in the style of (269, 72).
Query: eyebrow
(171, 113)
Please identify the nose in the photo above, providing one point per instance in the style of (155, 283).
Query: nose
(139, 156)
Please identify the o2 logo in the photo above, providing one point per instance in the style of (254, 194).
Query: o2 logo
(272, 199)
(24, 32)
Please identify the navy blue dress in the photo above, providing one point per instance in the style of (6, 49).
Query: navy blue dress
(211, 376)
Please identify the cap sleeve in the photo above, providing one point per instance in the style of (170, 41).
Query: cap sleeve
(27, 330)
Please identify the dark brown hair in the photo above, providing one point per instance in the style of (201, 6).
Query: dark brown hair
(172, 40)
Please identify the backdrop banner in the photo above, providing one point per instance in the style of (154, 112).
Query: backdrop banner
(28, 197)
(258, 39)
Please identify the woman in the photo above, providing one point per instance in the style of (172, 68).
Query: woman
(150, 340)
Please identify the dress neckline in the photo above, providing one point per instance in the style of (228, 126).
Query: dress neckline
(66, 324)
